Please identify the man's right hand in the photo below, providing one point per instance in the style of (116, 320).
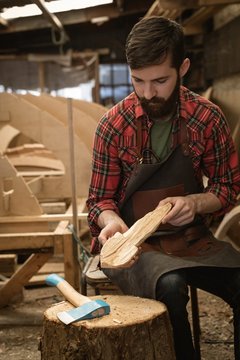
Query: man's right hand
(110, 223)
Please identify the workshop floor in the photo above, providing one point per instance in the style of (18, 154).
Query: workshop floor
(21, 325)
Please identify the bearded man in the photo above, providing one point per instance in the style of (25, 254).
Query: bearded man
(154, 147)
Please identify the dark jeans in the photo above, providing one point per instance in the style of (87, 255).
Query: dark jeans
(172, 290)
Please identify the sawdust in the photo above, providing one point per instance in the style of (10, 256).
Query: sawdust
(19, 339)
(125, 310)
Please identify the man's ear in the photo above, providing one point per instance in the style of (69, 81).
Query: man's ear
(184, 67)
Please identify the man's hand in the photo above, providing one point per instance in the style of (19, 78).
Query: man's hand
(184, 208)
(109, 230)
(110, 223)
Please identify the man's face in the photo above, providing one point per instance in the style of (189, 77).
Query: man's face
(157, 88)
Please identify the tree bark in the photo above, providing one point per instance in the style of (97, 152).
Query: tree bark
(135, 329)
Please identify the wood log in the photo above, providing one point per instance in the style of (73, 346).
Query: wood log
(135, 329)
(121, 248)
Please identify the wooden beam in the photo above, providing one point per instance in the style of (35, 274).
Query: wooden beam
(41, 76)
(193, 29)
(158, 9)
(217, 2)
(201, 15)
(22, 276)
(191, 4)
(76, 16)
(54, 21)
(30, 241)
(40, 218)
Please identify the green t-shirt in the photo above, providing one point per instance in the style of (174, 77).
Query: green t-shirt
(160, 138)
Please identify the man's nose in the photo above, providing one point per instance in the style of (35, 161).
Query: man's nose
(149, 91)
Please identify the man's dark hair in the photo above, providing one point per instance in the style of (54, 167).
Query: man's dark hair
(152, 39)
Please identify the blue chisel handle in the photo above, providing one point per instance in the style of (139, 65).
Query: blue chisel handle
(67, 290)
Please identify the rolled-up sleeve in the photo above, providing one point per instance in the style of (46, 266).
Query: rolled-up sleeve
(105, 178)
(221, 163)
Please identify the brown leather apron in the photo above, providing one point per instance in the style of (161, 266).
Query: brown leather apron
(170, 248)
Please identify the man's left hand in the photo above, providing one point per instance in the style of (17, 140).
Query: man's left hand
(183, 210)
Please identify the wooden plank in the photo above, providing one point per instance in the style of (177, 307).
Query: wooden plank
(40, 279)
(35, 163)
(22, 227)
(28, 241)
(53, 207)
(22, 276)
(36, 172)
(40, 218)
(51, 267)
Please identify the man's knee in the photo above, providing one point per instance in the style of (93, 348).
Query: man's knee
(172, 289)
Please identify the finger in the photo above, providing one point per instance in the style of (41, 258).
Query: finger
(165, 201)
(182, 220)
(172, 214)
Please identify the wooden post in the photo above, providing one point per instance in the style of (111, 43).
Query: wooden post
(41, 75)
(74, 246)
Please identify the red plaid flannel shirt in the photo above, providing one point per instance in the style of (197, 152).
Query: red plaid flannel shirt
(115, 152)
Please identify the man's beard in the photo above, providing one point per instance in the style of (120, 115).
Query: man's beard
(158, 107)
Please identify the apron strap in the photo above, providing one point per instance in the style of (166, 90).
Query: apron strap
(139, 141)
(183, 138)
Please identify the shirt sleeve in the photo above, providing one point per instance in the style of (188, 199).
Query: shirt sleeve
(220, 163)
(106, 174)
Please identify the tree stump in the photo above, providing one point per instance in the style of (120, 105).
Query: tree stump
(135, 329)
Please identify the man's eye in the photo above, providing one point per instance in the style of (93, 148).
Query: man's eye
(161, 81)
(137, 80)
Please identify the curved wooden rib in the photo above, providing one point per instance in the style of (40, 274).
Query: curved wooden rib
(15, 192)
(228, 221)
(43, 127)
(121, 248)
